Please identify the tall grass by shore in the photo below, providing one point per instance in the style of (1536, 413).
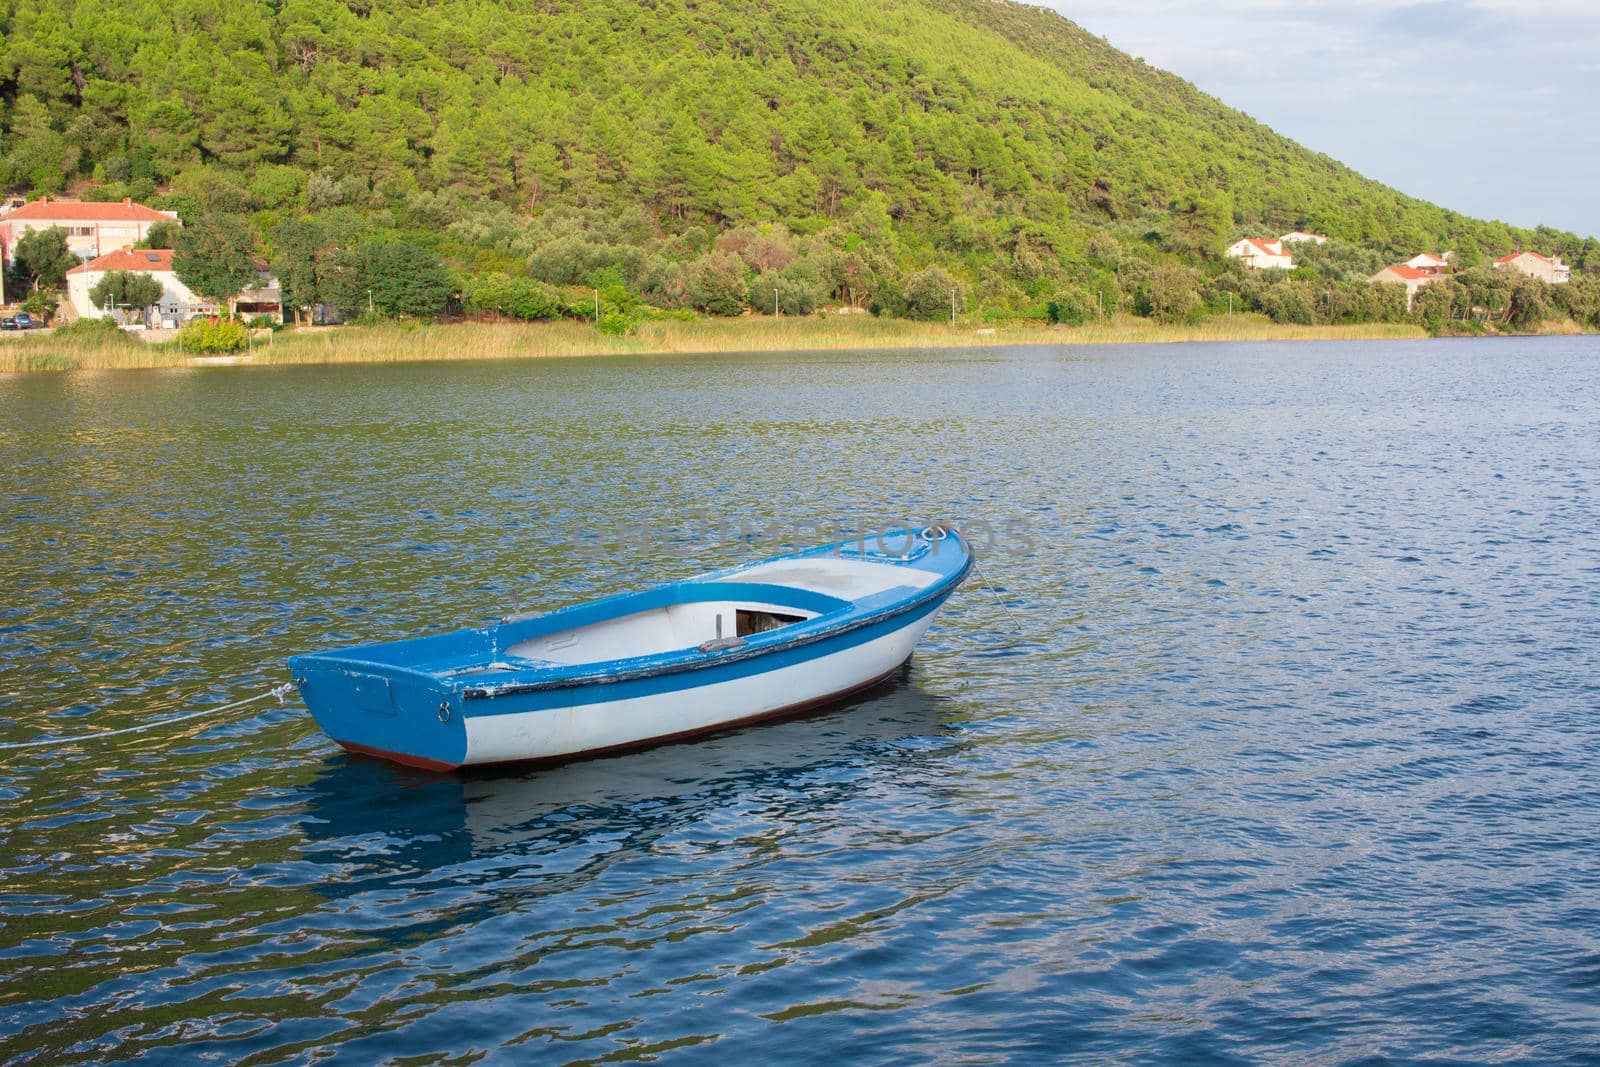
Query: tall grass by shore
(479, 340)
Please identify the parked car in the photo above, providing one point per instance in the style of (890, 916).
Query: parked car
(8, 322)
(24, 321)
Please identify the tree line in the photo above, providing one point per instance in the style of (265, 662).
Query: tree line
(996, 143)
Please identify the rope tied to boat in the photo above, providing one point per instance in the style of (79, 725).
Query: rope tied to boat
(277, 691)
(998, 599)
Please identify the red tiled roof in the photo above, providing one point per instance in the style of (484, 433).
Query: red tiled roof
(1410, 274)
(1518, 255)
(63, 210)
(141, 259)
(1271, 248)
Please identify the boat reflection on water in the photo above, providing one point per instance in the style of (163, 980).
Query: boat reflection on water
(382, 822)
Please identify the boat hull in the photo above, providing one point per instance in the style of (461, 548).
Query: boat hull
(612, 718)
(812, 628)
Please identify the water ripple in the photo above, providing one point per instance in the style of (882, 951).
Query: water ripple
(1281, 746)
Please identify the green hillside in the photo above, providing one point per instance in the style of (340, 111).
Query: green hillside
(856, 142)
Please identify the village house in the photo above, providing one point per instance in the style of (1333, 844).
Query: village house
(178, 302)
(1413, 278)
(1545, 268)
(1299, 237)
(1261, 255)
(1425, 261)
(263, 298)
(177, 305)
(92, 229)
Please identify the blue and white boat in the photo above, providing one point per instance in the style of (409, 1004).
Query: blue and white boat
(732, 647)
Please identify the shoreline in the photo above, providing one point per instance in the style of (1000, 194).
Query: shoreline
(395, 343)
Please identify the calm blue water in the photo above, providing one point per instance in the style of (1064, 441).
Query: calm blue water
(1294, 758)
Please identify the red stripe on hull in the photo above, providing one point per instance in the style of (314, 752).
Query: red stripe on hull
(399, 757)
(787, 711)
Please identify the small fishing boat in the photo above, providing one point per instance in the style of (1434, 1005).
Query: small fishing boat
(736, 646)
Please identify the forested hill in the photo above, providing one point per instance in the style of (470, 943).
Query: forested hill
(992, 138)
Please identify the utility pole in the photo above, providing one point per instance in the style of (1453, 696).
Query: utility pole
(597, 307)
(775, 310)
(1230, 303)
(952, 307)
(371, 310)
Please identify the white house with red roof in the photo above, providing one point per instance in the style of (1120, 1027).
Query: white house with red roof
(177, 303)
(1260, 254)
(1413, 278)
(93, 229)
(1429, 262)
(1545, 268)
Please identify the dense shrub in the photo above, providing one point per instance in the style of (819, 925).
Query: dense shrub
(665, 283)
(91, 329)
(1293, 302)
(717, 284)
(1483, 291)
(571, 260)
(798, 288)
(41, 305)
(213, 335)
(618, 323)
(618, 297)
(1374, 302)
(930, 294)
(518, 298)
(669, 314)
(161, 235)
(1530, 303)
(765, 249)
(1580, 299)
(277, 186)
(1437, 303)
(390, 278)
(1073, 307)
(1172, 294)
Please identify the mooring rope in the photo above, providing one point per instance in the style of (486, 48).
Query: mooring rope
(279, 691)
(998, 599)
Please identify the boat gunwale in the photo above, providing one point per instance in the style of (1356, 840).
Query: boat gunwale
(608, 609)
(824, 626)
(692, 660)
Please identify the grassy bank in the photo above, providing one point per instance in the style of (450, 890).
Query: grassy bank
(380, 344)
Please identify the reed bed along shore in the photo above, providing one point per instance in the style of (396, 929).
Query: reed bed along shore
(495, 340)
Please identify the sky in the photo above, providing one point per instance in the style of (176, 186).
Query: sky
(1488, 107)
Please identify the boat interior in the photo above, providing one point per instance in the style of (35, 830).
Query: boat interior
(704, 616)
(711, 614)
(663, 629)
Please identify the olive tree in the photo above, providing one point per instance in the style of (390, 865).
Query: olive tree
(931, 294)
(387, 277)
(125, 289)
(717, 284)
(216, 257)
(42, 258)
